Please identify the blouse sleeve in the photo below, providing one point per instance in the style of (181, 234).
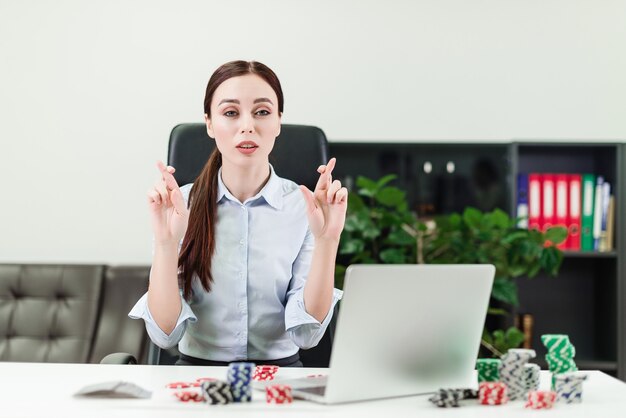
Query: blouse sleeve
(305, 331)
(157, 335)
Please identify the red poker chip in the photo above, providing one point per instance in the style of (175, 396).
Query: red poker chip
(178, 385)
(541, 399)
(278, 394)
(492, 393)
(205, 379)
(264, 372)
(189, 396)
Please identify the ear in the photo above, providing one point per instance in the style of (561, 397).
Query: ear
(209, 126)
(280, 116)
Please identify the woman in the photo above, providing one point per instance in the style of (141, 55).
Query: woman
(256, 265)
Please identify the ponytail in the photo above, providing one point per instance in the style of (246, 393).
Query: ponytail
(198, 246)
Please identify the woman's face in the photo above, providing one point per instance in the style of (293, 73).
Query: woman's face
(244, 120)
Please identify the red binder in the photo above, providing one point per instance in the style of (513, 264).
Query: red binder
(575, 209)
(561, 204)
(534, 201)
(548, 213)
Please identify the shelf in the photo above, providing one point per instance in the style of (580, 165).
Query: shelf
(589, 254)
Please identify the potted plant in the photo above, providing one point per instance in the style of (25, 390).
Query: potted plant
(380, 228)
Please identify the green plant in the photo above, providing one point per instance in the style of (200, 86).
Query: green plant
(380, 228)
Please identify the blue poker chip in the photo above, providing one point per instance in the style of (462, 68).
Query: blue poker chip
(239, 377)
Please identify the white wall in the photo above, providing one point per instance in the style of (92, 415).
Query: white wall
(89, 91)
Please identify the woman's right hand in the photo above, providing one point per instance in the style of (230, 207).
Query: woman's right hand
(168, 213)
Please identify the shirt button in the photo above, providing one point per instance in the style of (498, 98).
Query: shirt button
(242, 241)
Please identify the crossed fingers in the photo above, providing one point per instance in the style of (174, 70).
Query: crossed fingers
(160, 194)
(326, 188)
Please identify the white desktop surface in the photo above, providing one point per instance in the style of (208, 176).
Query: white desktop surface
(46, 389)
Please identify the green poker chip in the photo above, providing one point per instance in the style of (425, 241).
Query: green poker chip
(559, 345)
(488, 369)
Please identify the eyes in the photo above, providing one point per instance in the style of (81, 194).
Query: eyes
(233, 113)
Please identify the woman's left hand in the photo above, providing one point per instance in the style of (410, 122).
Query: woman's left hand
(327, 205)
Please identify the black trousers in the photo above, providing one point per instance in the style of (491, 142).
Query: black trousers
(291, 361)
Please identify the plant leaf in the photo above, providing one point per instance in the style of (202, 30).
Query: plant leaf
(390, 196)
(505, 290)
(365, 184)
(384, 180)
(556, 234)
(472, 217)
(393, 256)
(500, 219)
(351, 246)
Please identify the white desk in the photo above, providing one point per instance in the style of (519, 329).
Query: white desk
(45, 390)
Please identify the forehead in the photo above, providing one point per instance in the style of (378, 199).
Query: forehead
(244, 88)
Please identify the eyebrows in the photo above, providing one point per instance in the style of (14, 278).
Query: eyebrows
(259, 100)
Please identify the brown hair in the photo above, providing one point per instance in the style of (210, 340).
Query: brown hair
(199, 243)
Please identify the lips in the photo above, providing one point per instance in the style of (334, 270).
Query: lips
(247, 145)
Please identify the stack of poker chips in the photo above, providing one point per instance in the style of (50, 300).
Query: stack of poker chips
(447, 398)
(540, 399)
(278, 394)
(512, 371)
(488, 369)
(531, 377)
(492, 393)
(239, 377)
(216, 392)
(560, 356)
(569, 387)
(262, 373)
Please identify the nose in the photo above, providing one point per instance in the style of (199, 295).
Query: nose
(247, 125)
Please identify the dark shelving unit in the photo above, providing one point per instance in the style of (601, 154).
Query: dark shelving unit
(587, 300)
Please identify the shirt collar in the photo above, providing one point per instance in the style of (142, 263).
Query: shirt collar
(272, 192)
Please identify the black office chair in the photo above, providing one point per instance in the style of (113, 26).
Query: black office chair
(297, 153)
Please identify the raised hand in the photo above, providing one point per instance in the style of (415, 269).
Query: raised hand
(327, 205)
(168, 213)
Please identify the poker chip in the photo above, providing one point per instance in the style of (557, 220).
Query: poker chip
(239, 376)
(559, 345)
(262, 373)
(178, 385)
(205, 379)
(540, 399)
(216, 392)
(488, 369)
(531, 377)
(512, 371)
(569, 387)
(492, 393)
(447, 398)
(189, 396)
(278, 394)
(560, 355)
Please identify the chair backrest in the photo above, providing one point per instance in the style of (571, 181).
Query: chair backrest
(48, 313)
(116, 332)
(298, 151)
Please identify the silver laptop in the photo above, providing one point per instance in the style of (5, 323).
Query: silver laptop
(404, 330)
